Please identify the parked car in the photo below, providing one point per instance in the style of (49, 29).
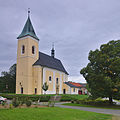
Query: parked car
(2, 99)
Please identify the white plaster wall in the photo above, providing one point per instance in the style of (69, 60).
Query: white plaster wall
(65, 78)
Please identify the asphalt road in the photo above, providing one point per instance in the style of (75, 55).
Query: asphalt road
(97, 110)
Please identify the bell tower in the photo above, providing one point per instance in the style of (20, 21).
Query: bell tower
(27, 55)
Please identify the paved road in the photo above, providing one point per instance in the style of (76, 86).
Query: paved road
(97, 110)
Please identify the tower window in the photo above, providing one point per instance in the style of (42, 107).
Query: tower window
(23, 49)
(33, 49)
(50, 78)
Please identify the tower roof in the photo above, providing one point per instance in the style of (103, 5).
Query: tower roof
(28, 30)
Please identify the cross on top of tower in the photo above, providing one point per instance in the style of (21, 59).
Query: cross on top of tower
(28, 11)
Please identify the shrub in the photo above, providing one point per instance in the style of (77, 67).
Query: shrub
(44, 98)
(28, 103)
(15, 102)
(93, 102)
(65, 98)
(10, 106)
(51, 103)
(3, 103)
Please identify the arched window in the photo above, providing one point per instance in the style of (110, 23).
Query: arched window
(33, 49)
(35, 90)
(50, 78)
(23, 49)
(21, 90)
(56, 80)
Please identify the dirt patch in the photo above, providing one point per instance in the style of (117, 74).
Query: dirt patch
(23, 106)
(116, 118)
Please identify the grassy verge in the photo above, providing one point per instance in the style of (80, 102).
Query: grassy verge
(50, 114)
(104, 107)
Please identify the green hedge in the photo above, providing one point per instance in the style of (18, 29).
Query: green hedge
(44, 98)
(69, 97)
(92, 102)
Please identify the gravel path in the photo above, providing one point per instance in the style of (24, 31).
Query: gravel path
(97, 110)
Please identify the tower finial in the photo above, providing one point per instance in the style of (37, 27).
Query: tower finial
(53, 45)
(28, 12)
(53, 51)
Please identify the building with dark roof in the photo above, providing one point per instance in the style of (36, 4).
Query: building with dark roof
(35, 68)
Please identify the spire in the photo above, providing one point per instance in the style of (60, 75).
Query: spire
(28, 29)
(53, 51)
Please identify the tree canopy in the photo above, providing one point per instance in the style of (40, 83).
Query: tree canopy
(103, 71)
(8, 80)
(45, 86)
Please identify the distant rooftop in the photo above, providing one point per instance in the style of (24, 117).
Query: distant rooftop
(76, 85)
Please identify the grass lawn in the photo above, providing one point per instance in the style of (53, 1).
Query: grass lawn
(104, 107)
(50, 114)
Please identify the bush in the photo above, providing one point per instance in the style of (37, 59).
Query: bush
(92, 102)
(72, 101)
(44, 98)
(3, 103)
(22, 97)
(51, 103)
(65, 98)
(15, 102)
(10, 106)
(28, 103)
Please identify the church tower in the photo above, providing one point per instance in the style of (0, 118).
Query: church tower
(27, 55)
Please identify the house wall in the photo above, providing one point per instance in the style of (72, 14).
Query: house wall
(62, 77)
(71, 90)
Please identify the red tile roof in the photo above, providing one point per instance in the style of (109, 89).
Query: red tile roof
(76, 84)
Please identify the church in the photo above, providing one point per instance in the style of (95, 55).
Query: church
(34, 68)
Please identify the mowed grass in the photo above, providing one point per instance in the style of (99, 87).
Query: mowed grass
(51, 113)
(117, 107)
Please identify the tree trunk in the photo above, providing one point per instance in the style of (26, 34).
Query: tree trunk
(110, 100)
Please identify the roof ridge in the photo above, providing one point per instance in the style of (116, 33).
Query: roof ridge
(49, 56)
(50, 62)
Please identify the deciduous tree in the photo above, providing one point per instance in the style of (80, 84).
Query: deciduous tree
(103, 71)
(45, 86)
(8, 80)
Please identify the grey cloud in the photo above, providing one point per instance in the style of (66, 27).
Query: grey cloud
(75, 26)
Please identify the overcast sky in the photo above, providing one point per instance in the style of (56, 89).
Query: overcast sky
(75, 26)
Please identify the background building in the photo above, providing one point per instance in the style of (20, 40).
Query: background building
(76, 88)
